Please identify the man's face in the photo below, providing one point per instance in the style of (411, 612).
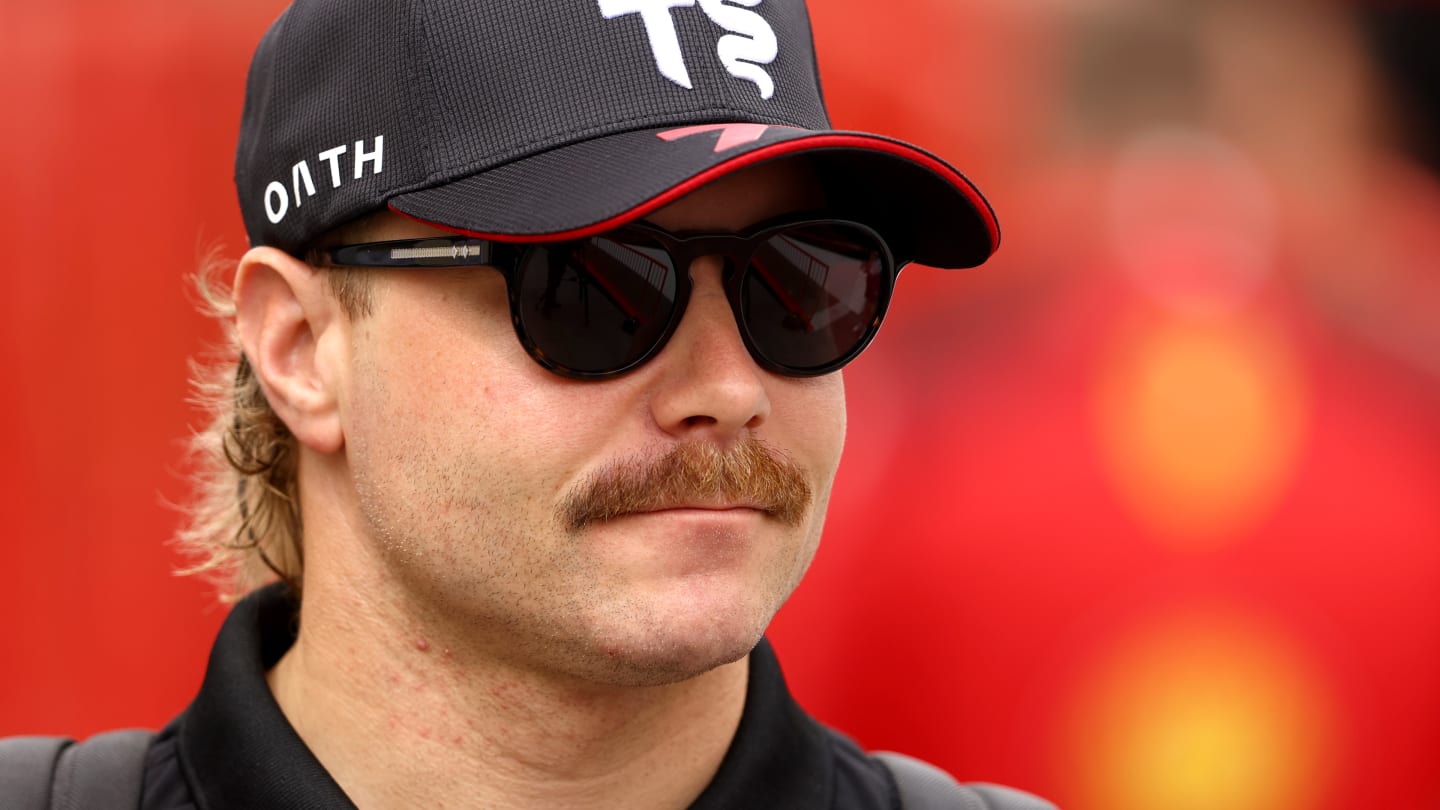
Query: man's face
(468, 459)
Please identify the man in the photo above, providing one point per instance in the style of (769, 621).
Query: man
(536, 408)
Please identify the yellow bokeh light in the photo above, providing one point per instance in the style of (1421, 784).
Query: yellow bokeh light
(1202, 714)
(1200, 424)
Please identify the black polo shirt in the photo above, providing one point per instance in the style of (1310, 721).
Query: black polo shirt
(233, 749)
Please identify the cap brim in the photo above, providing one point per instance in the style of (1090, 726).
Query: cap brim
(925, 208)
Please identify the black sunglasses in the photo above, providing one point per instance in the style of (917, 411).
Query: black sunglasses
(808, 295)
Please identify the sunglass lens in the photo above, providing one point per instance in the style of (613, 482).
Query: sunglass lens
(596, 306)
(812, 296)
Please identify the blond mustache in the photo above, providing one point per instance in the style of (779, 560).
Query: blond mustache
(749, 473)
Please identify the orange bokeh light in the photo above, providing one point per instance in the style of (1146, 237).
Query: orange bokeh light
(1203, 711)
(1201, 422)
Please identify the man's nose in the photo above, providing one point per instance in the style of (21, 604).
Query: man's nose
(707, 381)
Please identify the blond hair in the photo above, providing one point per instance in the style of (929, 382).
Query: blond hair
(243, 526)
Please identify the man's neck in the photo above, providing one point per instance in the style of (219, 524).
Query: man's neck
(401, 723)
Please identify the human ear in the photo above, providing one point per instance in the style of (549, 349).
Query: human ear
(291, 330)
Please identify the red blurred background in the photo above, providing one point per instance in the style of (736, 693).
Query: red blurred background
(1142, 515)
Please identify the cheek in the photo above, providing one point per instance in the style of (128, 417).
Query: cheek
(417, 381)
(813, 423)
(439, 374)
(436, 349)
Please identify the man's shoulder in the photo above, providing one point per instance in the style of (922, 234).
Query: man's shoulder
(861, 780)
(166, 787)
(106, 770)
(923, 786)
(784, 757)
(866, 779)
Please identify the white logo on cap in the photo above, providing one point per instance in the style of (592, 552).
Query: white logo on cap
(277, 197)
(750, 43)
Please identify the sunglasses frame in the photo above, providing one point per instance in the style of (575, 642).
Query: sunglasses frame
(683, 248)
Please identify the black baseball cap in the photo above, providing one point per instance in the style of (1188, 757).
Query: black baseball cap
(521, 120)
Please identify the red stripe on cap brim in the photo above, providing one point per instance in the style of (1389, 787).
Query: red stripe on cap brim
(825, 140)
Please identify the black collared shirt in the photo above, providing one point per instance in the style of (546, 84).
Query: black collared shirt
(233, 749)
